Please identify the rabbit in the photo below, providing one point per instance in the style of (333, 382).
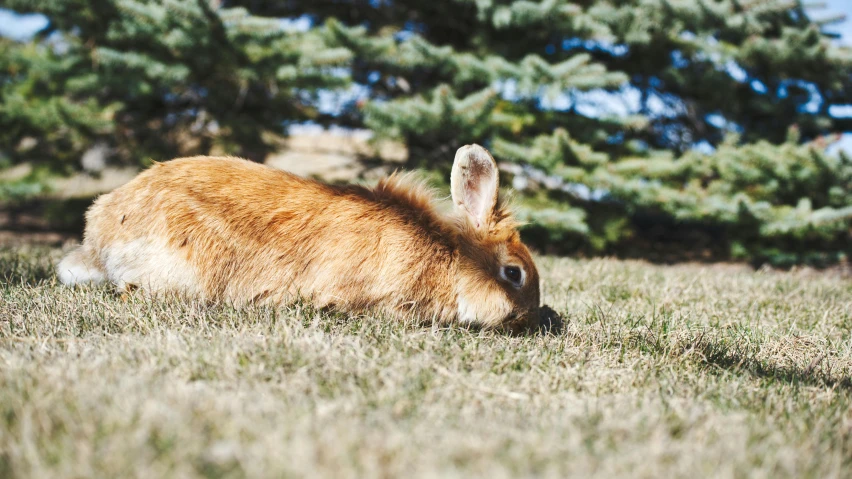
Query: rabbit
(224, 228)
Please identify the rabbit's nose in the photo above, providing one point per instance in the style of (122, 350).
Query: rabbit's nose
(521, 322)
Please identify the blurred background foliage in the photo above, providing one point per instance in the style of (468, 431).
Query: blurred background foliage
(687, 129)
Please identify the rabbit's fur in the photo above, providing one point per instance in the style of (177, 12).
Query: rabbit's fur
(226, 228)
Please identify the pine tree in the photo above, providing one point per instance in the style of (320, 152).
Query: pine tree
(753, 79)
(750, 82)
(156, 79)
(39, 123)
(714, 65)
(785, 203)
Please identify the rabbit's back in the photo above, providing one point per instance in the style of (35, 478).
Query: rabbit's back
(228, 228)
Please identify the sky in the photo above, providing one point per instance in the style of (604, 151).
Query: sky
(845, 29)
(22, 27)
(834, 7)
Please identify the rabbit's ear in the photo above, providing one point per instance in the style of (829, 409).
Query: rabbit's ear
(474, 183)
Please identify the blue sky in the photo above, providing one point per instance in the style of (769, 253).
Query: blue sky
(845, 28)
(20, 27)
(834, 7)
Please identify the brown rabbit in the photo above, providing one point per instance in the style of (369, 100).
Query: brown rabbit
(226, 228)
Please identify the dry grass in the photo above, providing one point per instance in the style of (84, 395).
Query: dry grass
(685, 371)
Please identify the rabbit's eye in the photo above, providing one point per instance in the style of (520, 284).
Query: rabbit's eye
(513, 274)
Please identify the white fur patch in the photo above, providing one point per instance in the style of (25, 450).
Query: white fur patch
(466, 313)
(151, 265)
(73, 269)
(492, 309)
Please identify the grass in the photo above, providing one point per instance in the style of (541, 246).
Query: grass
(679, 371)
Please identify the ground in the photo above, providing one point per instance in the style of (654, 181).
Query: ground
(659, 371)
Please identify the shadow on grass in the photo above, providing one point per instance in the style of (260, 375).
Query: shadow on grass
(45, 215)
(30, 230)
(717, 350)
(550, 321)
(28, 267)
(716, 353)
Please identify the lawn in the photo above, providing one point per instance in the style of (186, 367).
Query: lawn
(659, 371)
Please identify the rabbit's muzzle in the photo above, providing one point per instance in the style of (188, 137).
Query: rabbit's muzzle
(521, 322)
